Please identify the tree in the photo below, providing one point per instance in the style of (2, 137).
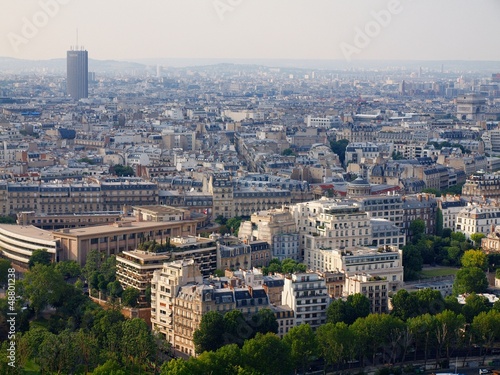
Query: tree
(439, 222)
(486, 328)
(176, 367)
(121, 170)
(288, 152)
(433, 191)
(475, 258)
(110, 367)
(302, 345)
(447, 329)
(7, 220)
(412, 259)
(375, 332)
(58, 353)
(236, 328)
(130, 296)
(69, 268)
(474, 305)
(264, 321)
(267, 354)
(422, 328)
(224, 361)
(477, 237)
(41, 256)
(335, 343)
(336, 312)
(358, 306)
(354, 307)
(429, 301)
(221, 220)
(137, 344)
(417, 229)
(43, 285)
(4, 271)
(339, 147)
(469, 280)
(115, 289)
(234, 225)
(88, 349)
(396, 155)
(404, 305)
(209, 336)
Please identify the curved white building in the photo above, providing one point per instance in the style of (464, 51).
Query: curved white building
(17, 242)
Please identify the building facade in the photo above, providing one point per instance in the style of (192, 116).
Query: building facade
(306, 295)
(77, 85)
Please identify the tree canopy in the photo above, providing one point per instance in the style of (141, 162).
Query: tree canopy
(41, 256)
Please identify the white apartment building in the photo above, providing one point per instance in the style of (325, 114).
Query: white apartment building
(337, 224)
(306, 295)
(357, 151)
(340, 227)
(375, 288)
(382, 263)
(477, 218)
(388, 207)
(9, 150)
(322, 122)
(450, 207)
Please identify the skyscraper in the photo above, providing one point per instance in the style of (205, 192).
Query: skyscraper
(77, 84)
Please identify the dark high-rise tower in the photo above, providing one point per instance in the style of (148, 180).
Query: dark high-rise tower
(77, 83)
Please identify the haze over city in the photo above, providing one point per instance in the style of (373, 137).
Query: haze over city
(236, 187)
(230, 29)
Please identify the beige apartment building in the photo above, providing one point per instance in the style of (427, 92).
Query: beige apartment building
(94, 195)
(491, 244)
(179, 299)
(229, 201)
(276, 227)
(482, 185)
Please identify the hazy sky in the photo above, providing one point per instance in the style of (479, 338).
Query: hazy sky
(285, 29)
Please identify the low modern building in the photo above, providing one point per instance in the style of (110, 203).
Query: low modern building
(60, 221)
(134, 269)
(121, 236)
(17, 243)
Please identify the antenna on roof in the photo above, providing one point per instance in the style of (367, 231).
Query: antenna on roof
(76, 39)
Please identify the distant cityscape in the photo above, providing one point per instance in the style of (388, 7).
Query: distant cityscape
(255, 188)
